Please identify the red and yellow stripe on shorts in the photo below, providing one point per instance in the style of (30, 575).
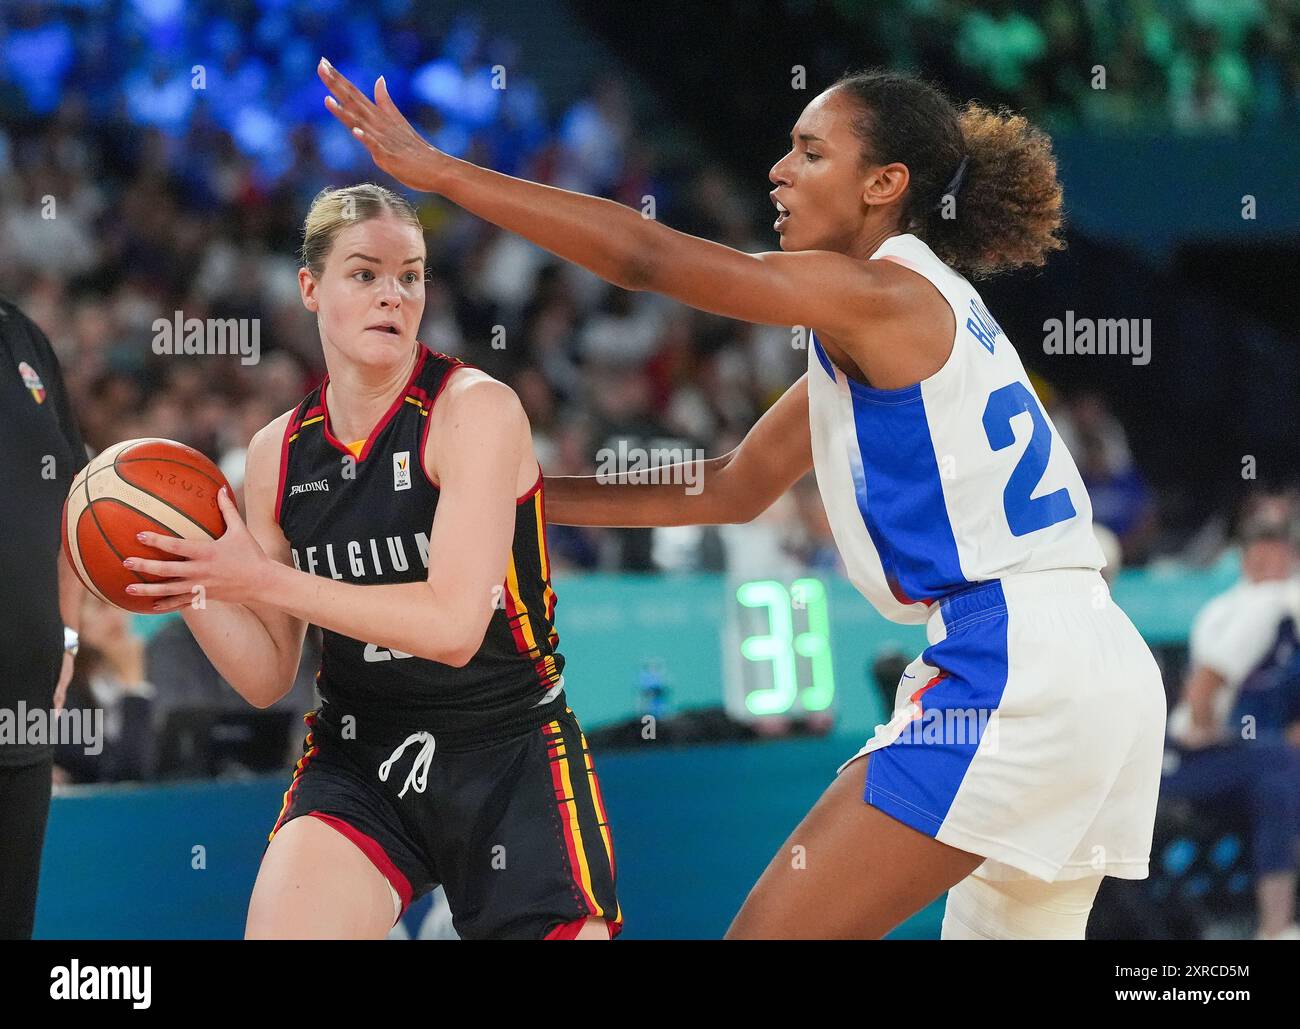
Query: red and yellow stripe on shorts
(309, 751)
(584, 821)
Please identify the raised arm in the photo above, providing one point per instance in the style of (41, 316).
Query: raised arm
(734, 488)
(826, 291)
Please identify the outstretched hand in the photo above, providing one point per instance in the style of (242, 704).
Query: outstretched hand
(391, 141)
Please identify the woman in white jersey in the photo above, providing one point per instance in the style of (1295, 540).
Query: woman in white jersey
(950, 495)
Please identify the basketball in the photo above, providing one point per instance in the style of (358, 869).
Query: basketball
(140, 485)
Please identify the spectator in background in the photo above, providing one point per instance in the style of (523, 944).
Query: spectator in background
(1236, 729)
(810, 536)
(1121, 499)
(110, 684)
(631, 436)
(572, 547)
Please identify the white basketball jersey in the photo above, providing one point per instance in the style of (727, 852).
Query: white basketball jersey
(958, 479)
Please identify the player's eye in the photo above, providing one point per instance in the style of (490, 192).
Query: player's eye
(366, 272)
(411, 278)
(811, 156)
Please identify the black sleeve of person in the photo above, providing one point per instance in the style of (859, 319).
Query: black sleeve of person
(59, 394)
(15, 321)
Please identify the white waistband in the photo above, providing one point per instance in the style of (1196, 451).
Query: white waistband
(1051, 585)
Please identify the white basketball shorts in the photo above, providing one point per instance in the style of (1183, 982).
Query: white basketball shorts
(1031, 731)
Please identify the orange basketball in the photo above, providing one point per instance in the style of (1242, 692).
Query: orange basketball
(141, 485)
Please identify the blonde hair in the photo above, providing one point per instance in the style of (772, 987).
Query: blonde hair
(334, 210)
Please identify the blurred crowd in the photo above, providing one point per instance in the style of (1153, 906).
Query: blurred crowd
(1201, 66)
(140, 189)
(158, 157)
(136, 195)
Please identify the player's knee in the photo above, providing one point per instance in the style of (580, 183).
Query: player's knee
(1024, 909)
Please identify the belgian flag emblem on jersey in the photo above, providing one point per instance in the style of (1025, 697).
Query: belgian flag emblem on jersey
(32, 381)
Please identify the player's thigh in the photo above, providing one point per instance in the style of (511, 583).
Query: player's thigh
(314, 883)
(849, 871)
(595, 929)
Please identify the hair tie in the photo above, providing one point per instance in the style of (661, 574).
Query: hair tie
(955, 183)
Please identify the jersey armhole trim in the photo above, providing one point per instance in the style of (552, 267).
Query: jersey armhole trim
(532, 490)
(284, 463)
(424, 436)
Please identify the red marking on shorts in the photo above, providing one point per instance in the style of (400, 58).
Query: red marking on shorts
(915, 698)
(376, 853)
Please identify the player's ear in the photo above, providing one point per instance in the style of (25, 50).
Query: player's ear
(885, 184)
(307, 287)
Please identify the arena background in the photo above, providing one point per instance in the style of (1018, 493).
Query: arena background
(157, 156)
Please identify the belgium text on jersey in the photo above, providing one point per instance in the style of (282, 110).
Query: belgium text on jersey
(102, 982)
(206, 336)
(77, 727)
(361, 559)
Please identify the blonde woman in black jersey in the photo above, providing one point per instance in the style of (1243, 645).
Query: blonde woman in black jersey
(399, 507)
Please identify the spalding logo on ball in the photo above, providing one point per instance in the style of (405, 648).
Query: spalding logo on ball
(141, 485)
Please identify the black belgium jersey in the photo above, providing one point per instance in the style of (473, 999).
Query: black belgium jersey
(366, 520)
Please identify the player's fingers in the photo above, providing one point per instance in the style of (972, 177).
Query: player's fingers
(351, 99)
(347, 117)
(172, 604)
(365, 135)
(384, 101)
(336, 109)
(169, 544)
(168, 569)
(229, 509)
(174, 588)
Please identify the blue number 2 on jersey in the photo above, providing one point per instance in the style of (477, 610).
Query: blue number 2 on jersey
(1025, 513)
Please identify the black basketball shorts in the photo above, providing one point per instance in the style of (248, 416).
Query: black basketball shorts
(515, 829)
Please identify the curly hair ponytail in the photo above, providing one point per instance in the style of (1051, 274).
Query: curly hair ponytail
(983, 191)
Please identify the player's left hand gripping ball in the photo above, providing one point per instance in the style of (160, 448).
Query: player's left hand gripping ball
(232, 568)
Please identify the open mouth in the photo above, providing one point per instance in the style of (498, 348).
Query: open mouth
(782, 214)
(388, 327)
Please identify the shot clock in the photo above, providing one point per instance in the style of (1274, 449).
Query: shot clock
(777, 649)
